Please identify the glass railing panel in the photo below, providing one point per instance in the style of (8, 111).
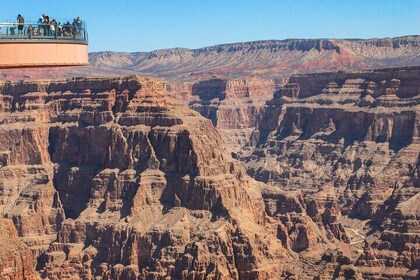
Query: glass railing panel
(17, 31)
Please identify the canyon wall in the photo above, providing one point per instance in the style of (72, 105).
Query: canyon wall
(233, 105)
(116, 179)
(259, 66)
(351, 140)
(113, 178)
(15, 258)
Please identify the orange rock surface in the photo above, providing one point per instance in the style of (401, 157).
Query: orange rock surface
(116, 179)
(15, 258)
(349, 143)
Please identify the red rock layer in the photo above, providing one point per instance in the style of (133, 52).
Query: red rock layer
(114, 179)
(15, 258)
(233, 105)
(350, 143)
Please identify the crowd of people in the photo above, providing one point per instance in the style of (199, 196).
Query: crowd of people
(47, 27)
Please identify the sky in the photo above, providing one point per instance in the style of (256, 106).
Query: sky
(145, 25)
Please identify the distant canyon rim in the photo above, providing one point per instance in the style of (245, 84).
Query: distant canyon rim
(292, 159)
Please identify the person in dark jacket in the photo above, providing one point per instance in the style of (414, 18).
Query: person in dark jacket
(79, 26)
(47, 26)
(21, 24)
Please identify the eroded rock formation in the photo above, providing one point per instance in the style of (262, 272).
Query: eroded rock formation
(15, 258)
(349, 143)
(233, 105)
(115, 179)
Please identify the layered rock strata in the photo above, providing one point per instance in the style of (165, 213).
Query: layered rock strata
(233, 105)
(15, 258)
(349, 142)
(114, 179)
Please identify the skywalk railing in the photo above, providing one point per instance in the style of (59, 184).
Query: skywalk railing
(34, 31)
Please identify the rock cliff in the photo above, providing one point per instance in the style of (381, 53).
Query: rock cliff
(254, 66)
(112, 178)
(349, 142)
(116, 179)
(15, 258)
(233, 105)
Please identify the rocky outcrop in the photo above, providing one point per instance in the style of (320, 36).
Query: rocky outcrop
(349, 142)
(257, 67)
(395, 246)
(254, 67)
(233, 105)
(15, 258)
(181, 91)
(115, 179)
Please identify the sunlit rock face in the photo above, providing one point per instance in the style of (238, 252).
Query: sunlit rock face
(233, 105)
(349, 142)
(15, 258)
(116, 179)
(112, 178)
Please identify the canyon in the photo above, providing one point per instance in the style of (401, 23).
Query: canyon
(236, 168)
(349, 144)
(238, 77)
(115, 179)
